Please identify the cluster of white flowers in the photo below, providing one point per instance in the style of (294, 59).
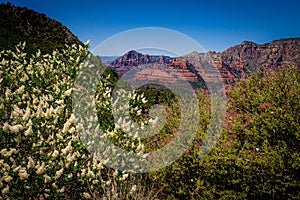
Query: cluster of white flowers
(126, 108)
(38, 131)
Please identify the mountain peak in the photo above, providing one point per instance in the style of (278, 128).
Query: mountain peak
(133, 52)
(133, 58)
(192, 54)
(248, 42)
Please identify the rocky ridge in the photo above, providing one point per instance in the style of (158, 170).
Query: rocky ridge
(233, 64)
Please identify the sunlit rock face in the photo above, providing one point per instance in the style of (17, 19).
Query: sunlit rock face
(228, 66)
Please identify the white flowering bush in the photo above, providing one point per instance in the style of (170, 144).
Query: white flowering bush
(41, 154)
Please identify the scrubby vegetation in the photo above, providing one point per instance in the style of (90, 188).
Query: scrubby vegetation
(42, 156)
(40, 32)
(257, 156)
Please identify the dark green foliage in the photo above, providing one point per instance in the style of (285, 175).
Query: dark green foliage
(37, 30)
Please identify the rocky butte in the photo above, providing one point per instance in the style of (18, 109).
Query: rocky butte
(233, 64)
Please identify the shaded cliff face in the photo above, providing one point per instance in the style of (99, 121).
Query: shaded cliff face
(19, 24)
(232, 64)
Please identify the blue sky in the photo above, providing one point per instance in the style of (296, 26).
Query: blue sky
(216, 25)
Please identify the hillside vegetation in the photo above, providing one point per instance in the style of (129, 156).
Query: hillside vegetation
(20, 24)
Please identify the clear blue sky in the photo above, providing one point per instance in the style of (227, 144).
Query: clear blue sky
(216, 25)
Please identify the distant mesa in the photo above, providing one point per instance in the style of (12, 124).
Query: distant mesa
(233, 64)
(179, 68)
(134, 58)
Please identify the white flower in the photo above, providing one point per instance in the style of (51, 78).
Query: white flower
(5, 127)
(91, 174)
(6, 166)
(72, 119)
(3, 152)
(5, 190)
(23, 174)
(54, 185)
(70, 175)
(48, 113)
(30, 163)
(62, 190)
(27, 114)
(16, 112)
(133, 189)
(68, 92)
(87, 195)
(66, 150)
(55, 153)
(47, 178)
(87, 42)
(139, 112)
(6, 153)
(115, 173)
(16, 169)
(8, 179)
(144, 100)
(95, 182)
(72, 130)
(108, 182)
(40, 112)
(59, 101)
(58, 174)
(60, 137)
(78, 59)
(7, 93)
(66, 127)
(83, 171)
(38, 53)
(21, 89)
(41, 169)
(71, 158)
(28, 131)
(125, 176)
(16, 128)
(35, 100)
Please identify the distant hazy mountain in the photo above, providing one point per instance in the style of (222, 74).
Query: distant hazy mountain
(107, 60)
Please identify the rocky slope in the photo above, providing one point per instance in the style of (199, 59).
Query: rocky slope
(148, 67)
(233, 64)
(133, 59)
(241, 60)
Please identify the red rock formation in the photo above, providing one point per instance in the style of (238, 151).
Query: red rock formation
(232, 64)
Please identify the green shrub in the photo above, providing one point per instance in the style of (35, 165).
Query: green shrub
(257, 155)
